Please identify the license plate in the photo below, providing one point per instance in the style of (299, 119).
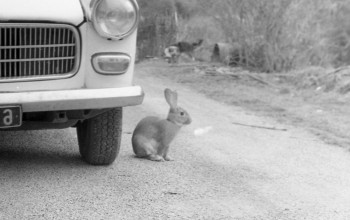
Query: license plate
(10, 116)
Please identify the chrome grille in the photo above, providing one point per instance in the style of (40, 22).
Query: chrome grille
(38, 51)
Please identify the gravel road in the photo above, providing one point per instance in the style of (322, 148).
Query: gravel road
(227, 166)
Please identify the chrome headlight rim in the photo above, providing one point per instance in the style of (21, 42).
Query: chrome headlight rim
(108, 35)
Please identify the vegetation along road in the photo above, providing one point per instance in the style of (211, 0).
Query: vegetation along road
(229, 164)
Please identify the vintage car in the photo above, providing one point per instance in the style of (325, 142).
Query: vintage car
(69, 63)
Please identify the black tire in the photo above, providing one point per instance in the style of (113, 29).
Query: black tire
(99, 137)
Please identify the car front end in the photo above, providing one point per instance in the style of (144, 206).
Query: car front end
(69, 63)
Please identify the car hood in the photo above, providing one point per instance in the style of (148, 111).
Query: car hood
(59, 11)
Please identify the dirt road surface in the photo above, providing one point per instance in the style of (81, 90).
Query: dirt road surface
(254, 168)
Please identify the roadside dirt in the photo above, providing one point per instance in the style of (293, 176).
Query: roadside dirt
(302, 98)
(245, 164)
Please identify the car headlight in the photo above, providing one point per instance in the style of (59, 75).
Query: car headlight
(115, 19)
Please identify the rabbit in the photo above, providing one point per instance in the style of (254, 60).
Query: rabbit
(152, 135)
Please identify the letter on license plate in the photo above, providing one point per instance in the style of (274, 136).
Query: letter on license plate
(10, 116)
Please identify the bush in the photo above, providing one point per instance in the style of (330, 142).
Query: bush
(280, 35)
(273, 35)
(157, 27)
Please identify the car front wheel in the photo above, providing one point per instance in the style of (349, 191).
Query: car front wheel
(99, 137)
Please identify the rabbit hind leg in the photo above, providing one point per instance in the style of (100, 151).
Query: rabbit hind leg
(155, 157)
(144, 148)
(154, 153)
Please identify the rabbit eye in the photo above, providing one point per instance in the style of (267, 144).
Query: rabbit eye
(182, 113)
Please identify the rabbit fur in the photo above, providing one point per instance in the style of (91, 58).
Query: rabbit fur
(152, 135)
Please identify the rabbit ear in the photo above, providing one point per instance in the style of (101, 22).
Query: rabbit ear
(171, 97)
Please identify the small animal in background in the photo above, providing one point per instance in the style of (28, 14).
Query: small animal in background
(152, 135)
(188, 48)
(172, 54)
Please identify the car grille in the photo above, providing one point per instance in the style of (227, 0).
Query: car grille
(38, 52)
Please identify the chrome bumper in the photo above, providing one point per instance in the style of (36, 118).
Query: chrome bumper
(39, 101)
